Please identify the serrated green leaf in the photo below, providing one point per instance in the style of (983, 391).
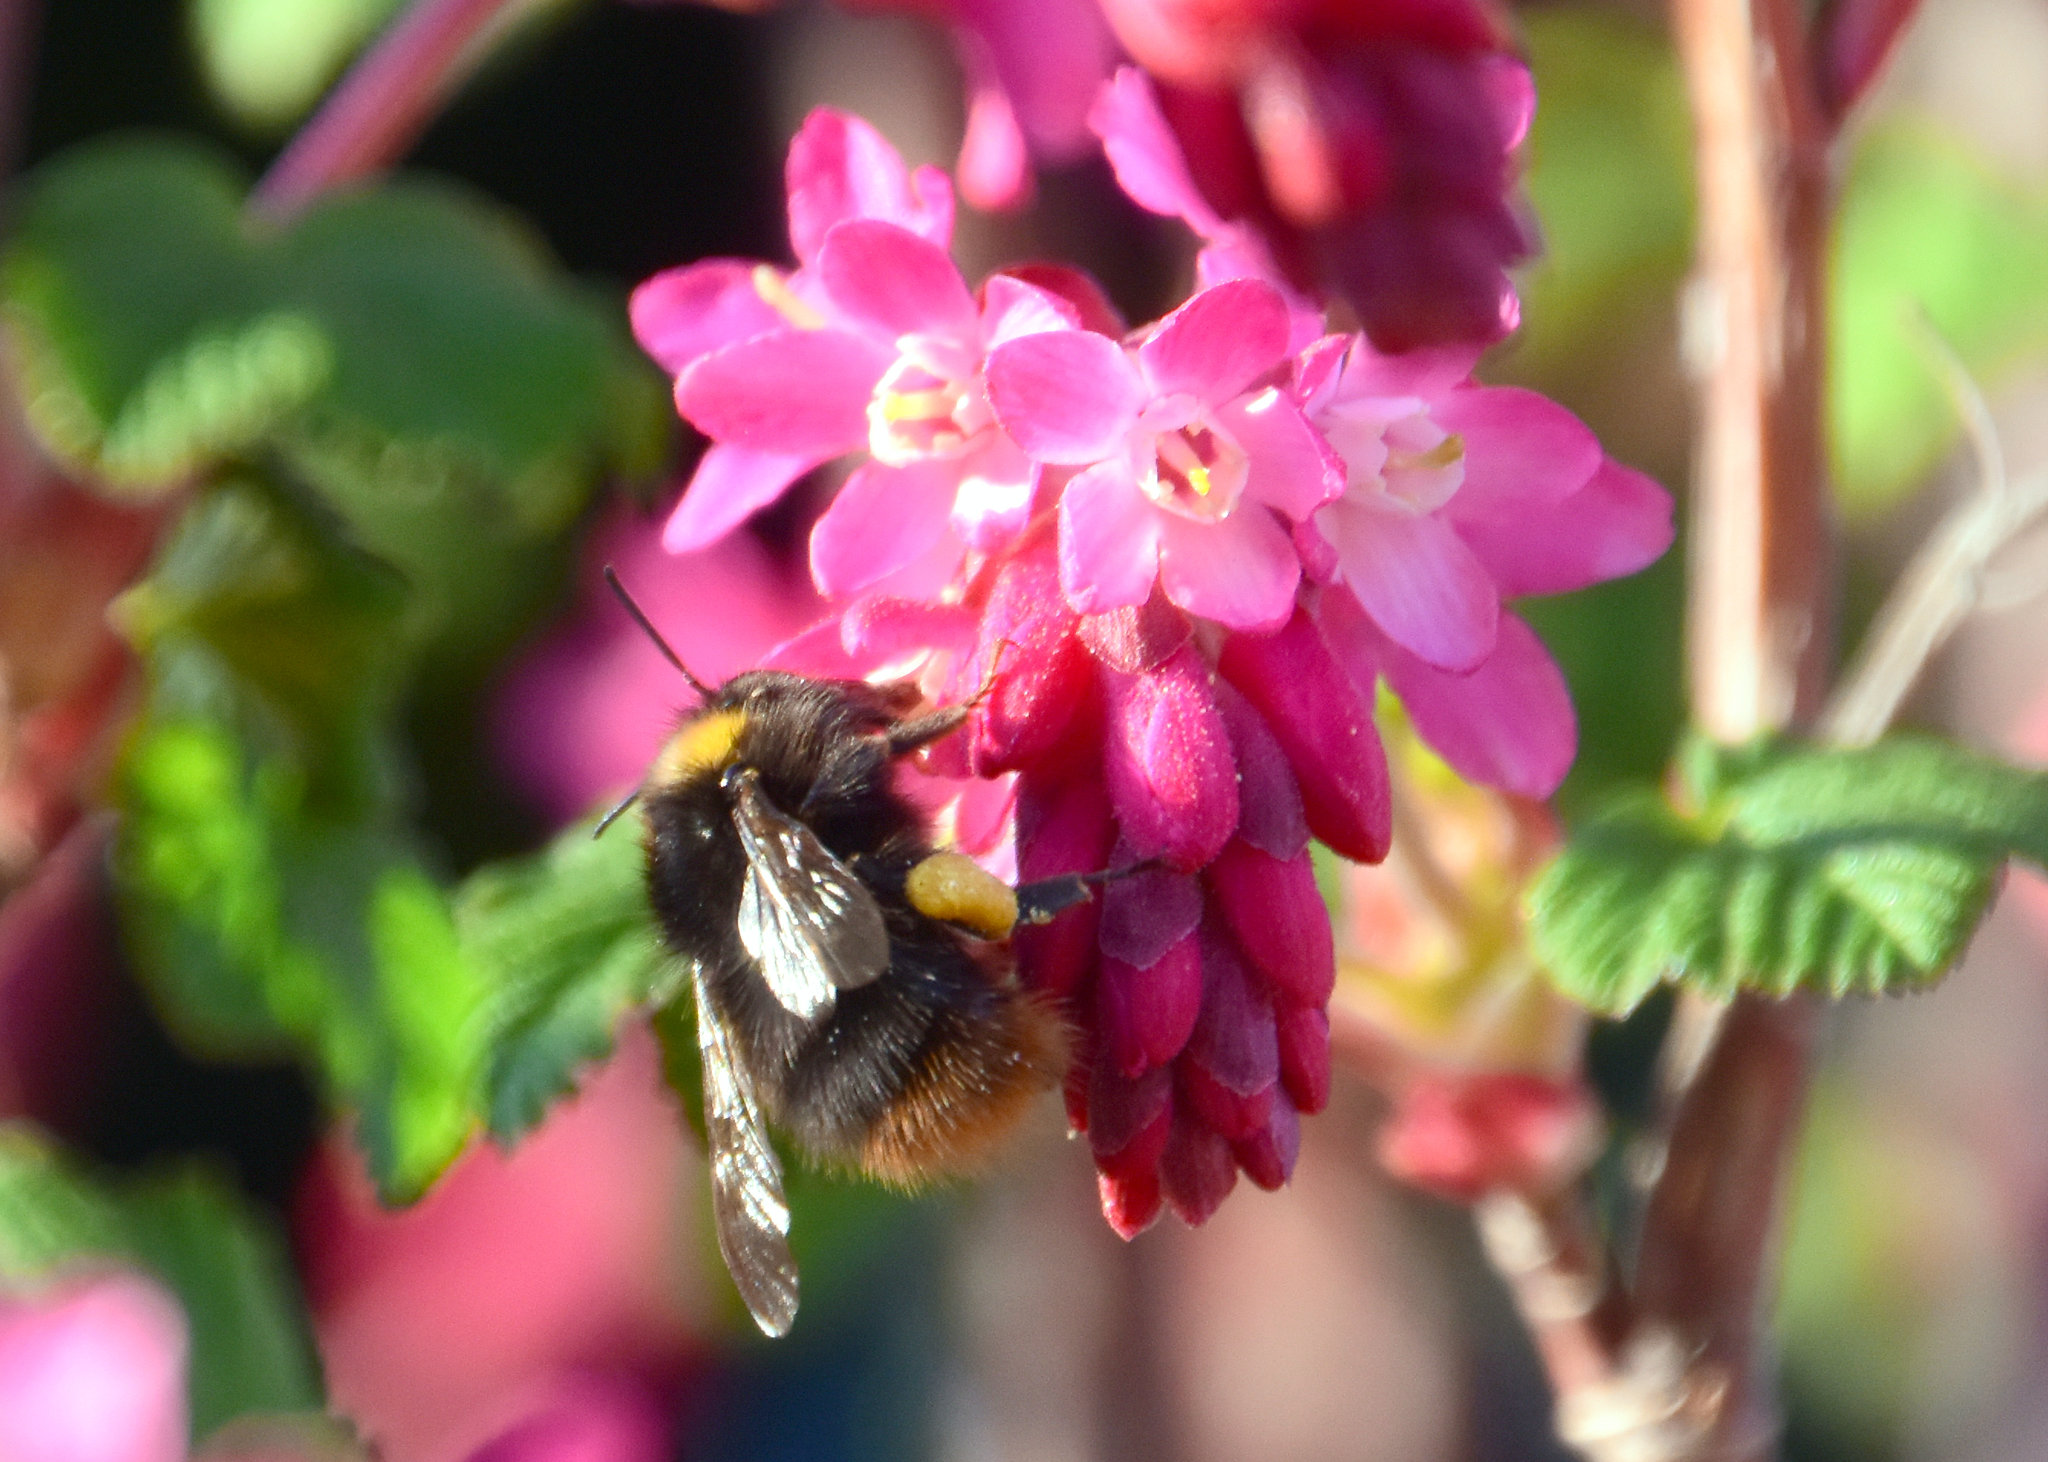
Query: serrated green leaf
(567, 945)
(407, 350)
(251, 1347)
(1837, 871)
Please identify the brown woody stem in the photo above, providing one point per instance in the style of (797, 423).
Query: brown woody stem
(380, 107)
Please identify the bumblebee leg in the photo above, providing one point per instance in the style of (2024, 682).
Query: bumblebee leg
(907, 736)
(1045, 900)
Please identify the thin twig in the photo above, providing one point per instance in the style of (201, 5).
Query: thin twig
(1946, 580)
(381, 106)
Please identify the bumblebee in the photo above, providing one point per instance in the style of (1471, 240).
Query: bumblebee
(853, 984)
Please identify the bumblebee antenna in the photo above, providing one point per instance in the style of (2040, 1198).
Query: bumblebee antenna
(647, 626)
(615, 814)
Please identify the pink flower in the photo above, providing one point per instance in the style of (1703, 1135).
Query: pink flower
(1457, 496)
(1189, 453)
(839, 169)
(1370, 147)
(93, 1372)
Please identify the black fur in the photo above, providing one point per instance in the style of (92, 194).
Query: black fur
(824, 753)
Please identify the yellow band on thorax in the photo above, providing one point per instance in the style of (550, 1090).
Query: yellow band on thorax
(705, 744)
(959, 890)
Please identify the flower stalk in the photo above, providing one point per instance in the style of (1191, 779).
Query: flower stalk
(381, 106)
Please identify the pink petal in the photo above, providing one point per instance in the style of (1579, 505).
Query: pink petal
(883, 518)
(993, 501)
(884, 276)
(1521, 449)
(798, 392)
(1416, 578)
(1013, 307)
(1428, 371)
(93, 1373)
(1167, 762)
(1292, 467)
(1109, 539)
(1508, 724)
(1146, 1015)
(1238, 251)
(840, 167)
(1196, 1172)
(1319, 370)
(1093, 309)
(1278, 916)
(881, 627)
(730, 485)
(1305, 1056)
(1065, 396)
(1269, 799)
(994, 165)
(1062, 828)
(1145, 154)
(1616, 524)
(1240, 572)
(819, 650)
(681, 314)
(1219, 343)
(1324, 724)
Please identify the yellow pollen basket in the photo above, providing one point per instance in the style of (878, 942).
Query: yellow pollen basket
(707, 744)
(955, 888)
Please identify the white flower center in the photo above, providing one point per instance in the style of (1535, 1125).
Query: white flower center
(926, 405)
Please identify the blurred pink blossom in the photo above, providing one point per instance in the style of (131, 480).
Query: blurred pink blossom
(93, 1371)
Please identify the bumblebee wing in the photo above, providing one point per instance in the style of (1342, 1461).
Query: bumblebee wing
(810, 924)
(746, 1178)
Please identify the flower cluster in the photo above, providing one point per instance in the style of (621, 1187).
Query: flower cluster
(1175, 563)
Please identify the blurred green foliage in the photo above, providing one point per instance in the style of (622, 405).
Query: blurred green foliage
(267, 61)
(1792, 867)
(251, 1347)
(1929, 236)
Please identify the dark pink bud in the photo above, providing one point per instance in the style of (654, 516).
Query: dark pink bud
(1268, 1155)
(1463, 1136)
(1304, 1056)
(1228, 1113)
(1197, 1172)
(1146, 914)
(1279, 917)
(1146, 1014)
(1269, 799)
(1324, 725)
(1130, 1201)
(1091, 302)
(1042, 676)
(1127, 1119)
(1235, 1042)
(1168, 762)
(1136, 639)
(1852, 41)
(1063, 828)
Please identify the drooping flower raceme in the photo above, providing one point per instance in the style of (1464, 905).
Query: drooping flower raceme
(1170, 568)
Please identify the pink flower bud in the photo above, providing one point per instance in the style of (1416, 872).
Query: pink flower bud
(1279, 918)
(1304, 1032)
(1168, 762)
(1042, 676)
(1197, 1172)
(1146, 1014)
(1267, 1156)
(1324, 725)
(1130, 1200)
(1063, 828)
(1270, 817)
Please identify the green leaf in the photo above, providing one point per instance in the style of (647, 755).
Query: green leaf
(1928, 232)
(1860, 871)
(259, 925)
(251, 1346)
(267, 61)
(409, 351)
(567, 945)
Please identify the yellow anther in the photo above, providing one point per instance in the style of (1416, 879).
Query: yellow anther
(775, 291)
